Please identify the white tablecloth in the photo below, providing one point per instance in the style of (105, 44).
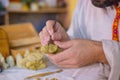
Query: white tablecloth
(92, 72)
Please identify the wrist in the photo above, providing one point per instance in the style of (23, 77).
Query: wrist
(100, 52)
(66, 37)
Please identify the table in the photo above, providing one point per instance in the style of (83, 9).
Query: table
(91, 72)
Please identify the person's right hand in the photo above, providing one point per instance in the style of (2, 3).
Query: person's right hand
(49, 33)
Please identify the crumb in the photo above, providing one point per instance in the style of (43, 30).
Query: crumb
(37, 79)
(54, 79)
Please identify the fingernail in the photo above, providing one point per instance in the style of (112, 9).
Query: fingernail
(47, 39)
(50, 32)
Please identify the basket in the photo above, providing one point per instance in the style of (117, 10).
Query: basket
(4, 45)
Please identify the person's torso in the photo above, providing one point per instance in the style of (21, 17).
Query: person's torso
(97, 22)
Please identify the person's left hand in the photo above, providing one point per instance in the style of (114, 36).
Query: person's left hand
(78, 53)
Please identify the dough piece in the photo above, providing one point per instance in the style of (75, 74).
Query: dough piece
(2, 60)
(50, 48)
(26, 53)
(54, 79)
(33, 61)
(59, 50)
(44, 49)
(18, 59)
(10, 61)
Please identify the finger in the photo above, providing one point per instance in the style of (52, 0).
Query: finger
(60, 56)
(56, 37)
(50, 25)
(41, 38)
(46, 35)
(64, 45)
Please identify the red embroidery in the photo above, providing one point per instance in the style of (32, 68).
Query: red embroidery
(115, 30)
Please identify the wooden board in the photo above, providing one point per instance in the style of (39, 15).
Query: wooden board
(21, 34)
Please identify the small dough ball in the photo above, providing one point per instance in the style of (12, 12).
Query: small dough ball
(32, 68)
(52, 48)
(42, 66)
(40, 62)
(44, 49)
(28, 64)
(59, 50)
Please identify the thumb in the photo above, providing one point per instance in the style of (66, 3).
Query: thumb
(64, 45)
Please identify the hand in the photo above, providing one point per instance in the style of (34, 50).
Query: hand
(78, 53)
(56, 34)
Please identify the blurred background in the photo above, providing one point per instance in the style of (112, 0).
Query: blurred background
(36, 12)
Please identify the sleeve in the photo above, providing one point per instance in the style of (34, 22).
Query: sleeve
(112, 53)
(77, 20)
